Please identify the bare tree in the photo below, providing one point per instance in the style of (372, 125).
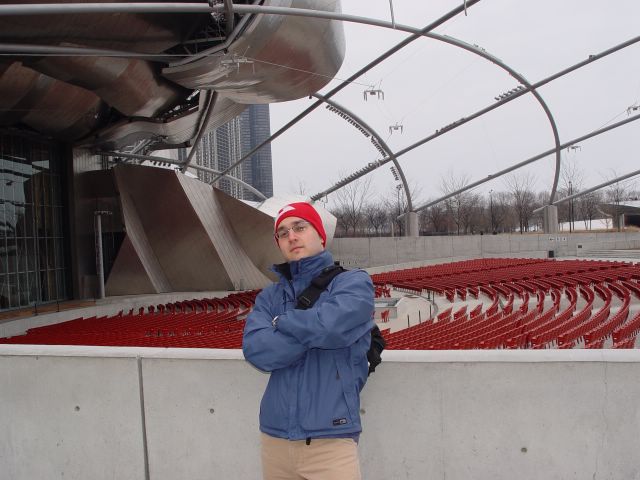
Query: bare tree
(302, 189)
(376, 216)
(571, 182)
(436, 215)
(498, 212)
(616, 194)
(471, 217)
(393, 204)
(523, 197)
(588, 207)
(341, 222)
(458, 205)
(349, 204)
(396, 204)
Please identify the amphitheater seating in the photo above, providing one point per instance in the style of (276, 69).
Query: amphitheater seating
(527, 303)
(502, 279)
(203, 323)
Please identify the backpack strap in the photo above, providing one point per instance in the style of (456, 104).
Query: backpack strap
(311, 294)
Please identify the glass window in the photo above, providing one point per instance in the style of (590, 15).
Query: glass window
(56, 194)
(22, 254)
(4, 292)
(29, 220)
(42, 253)
(11, 255)
(59, 249)
(32, 235)
(60, 281)
(44, 286)
(31, 254)
(33, 286)
(23, 288)
(51, 253)
(12, 286)
(46, 189)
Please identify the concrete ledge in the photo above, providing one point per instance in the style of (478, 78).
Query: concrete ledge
(391, 356)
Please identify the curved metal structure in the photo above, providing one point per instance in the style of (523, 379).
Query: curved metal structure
(453, 41)
(207, 68)
(529, 87)
(513, 96)
(91, 76)
(587, 191)
(530, 160)
(353, 77)
(444, 38)
(380, 143)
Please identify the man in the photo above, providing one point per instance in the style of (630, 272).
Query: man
(310, 411)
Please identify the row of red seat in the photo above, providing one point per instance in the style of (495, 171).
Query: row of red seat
(382, 291)
(457, 277)
(218, 322)
(504, 278)
(201, 323)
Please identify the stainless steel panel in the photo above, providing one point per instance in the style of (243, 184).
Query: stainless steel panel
(49, 106)
(282, 49)
(69, 97)
(128, 275)
(166, 134)
(140, 245)
(217, 222)
(148, 33)
(174, 232)
(129, 86)
(253, 230)
(181, 235)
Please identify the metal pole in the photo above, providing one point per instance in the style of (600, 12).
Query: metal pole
(570, 208)
(491, 208)
(592, 189)
(526, 162)
(211, 101)
(45, 50)
(98, 242)
(393, 20)
(151, 158)
(398, 187)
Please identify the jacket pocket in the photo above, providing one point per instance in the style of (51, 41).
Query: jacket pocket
(323, 401)
(275, 404)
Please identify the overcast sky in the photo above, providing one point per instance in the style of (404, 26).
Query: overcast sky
(430, 84)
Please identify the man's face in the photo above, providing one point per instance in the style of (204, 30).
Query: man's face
(296, 245)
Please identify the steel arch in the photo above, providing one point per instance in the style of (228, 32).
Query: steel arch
(380, 141)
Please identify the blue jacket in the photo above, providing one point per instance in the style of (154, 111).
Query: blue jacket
(317, 357)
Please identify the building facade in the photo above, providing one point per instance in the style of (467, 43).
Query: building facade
(34, 265)
(225, 145)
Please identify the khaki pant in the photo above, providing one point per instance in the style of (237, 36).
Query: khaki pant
(322, 459)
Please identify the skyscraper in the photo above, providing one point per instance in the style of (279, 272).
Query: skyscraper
(225, 145)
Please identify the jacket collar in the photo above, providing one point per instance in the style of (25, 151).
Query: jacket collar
(308, 266)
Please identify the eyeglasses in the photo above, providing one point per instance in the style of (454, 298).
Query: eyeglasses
(299, 227)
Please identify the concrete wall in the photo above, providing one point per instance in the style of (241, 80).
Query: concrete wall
(379, 251)
(79, 413)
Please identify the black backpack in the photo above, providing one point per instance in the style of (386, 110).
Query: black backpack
(311, 294)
